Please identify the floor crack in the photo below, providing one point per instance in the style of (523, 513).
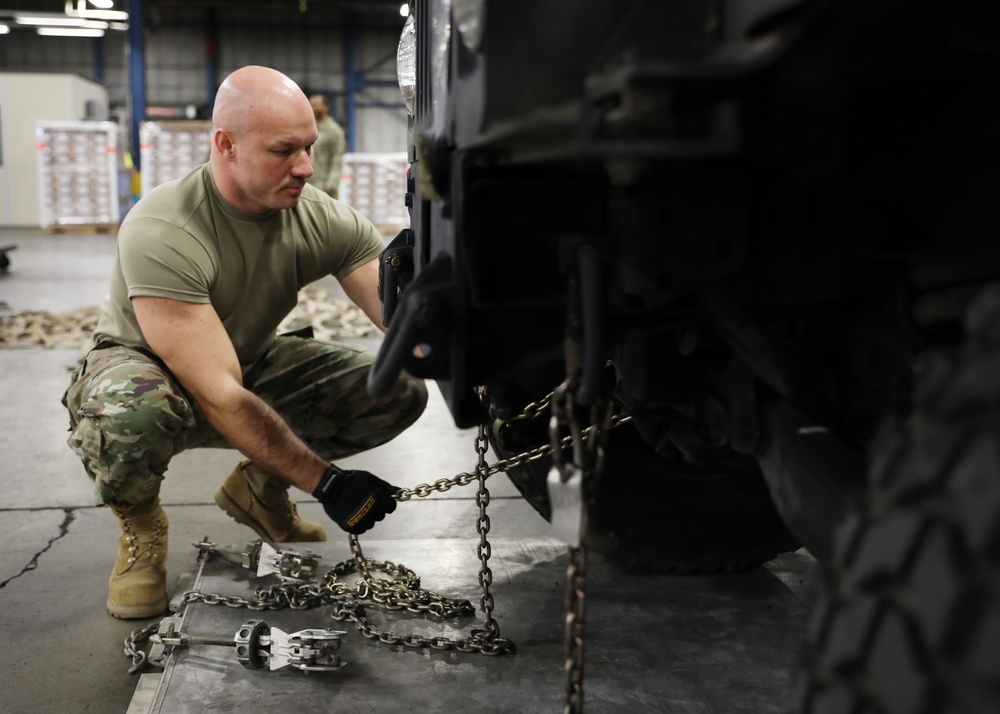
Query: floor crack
(33, 563)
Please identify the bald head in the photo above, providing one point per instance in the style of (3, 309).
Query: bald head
(263, 130)
(255, 96)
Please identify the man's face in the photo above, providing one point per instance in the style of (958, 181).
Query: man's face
(273, 161)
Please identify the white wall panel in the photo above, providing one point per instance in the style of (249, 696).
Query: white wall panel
(27, 99)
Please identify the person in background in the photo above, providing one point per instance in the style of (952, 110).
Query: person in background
(186, 353)
(328, 152)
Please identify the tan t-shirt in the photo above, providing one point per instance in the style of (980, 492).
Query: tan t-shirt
(185, 242)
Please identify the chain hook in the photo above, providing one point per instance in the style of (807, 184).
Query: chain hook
(564, 414)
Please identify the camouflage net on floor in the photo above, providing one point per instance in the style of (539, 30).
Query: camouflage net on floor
(330, 319)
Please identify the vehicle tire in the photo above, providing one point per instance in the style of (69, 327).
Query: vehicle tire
(910, 622)
(661, 515)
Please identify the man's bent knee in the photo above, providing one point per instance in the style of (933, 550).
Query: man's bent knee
(127, 419)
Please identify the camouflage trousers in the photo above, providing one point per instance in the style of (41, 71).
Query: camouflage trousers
(129, 416)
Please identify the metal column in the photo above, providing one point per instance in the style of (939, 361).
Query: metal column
(352, 80)
(99, 60)
(211, 58)
(136, 72)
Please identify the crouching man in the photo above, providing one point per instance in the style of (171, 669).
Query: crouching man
(186, 353)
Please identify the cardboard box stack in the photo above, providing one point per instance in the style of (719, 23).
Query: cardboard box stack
(169, 149)
(375, 184)
(78, 179)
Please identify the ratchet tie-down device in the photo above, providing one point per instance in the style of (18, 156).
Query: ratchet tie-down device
(256, 644)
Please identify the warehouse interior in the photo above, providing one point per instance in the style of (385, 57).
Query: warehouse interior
(134, 102)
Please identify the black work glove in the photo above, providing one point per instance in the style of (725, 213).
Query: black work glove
(355, 500)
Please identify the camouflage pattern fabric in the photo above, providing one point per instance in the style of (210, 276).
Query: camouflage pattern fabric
(129, 416)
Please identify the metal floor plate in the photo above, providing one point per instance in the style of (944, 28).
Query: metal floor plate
(654, 643)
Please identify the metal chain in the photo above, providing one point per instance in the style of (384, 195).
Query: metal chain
(133, 644)
(574, 599)
(531, 410)
(403, 591)
(465, 478)
(400, 592)
(588, 454)
(490, 634)
(575, 605)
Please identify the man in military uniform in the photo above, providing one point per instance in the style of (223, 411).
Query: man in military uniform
(186, 355)
(328, 152)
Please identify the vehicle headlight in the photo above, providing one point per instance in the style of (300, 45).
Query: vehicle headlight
(406, 64)
(470, 18)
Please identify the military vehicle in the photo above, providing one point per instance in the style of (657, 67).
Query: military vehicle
(765, 231)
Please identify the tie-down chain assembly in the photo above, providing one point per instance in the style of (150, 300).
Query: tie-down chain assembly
(297, 588)
(258, 645)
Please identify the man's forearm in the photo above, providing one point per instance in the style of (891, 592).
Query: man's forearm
(260, 433)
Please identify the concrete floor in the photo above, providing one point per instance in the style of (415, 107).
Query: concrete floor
(699, 644)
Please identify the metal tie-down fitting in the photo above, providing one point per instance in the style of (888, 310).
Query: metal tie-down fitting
(264, 559)
(258, 644)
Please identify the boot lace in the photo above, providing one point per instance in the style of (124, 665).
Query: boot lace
(141, 544)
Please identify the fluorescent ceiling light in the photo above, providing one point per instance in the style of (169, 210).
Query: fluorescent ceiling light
(45, 20)
(69, 32)
(59, 21)
(4, 29)
(103, 4)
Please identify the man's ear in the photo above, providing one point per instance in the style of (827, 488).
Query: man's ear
(223, 142)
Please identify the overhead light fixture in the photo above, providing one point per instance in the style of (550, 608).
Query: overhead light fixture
(70, 32)
(59, 21)
(4, 29)
(103, 4)
(81, 10)
(45, 20)
(404, 9)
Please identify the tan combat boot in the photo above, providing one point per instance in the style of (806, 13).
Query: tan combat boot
(257, 499)
(138, 584)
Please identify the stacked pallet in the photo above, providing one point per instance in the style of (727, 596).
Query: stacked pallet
(375, 184)
(169, 149)
(78, 176)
